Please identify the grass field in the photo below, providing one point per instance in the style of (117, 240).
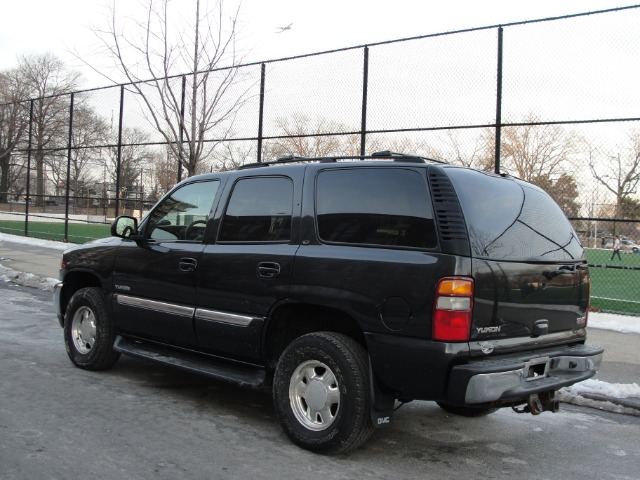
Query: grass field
(78, 232)
(615, 284)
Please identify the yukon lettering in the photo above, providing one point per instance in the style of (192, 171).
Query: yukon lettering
(483, 330)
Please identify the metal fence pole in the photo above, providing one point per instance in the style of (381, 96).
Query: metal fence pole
(261, 112)
(496, 166)
(68, 189)
(182, 101)
(365, 91)
(119, 153)
(26, 206)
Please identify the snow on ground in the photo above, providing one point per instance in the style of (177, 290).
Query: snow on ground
(36, 242)
(26, 279)
(611, 321)
(592, 393)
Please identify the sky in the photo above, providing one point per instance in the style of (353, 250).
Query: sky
(65, 26)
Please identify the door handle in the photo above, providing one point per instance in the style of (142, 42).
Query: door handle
(188, 264)
(268, 269)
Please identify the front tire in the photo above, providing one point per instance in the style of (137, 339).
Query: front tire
(89, 332)
(321, 393)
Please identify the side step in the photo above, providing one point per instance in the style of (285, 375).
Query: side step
(240, 375)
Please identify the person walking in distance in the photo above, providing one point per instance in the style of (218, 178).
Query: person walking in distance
(616, 249)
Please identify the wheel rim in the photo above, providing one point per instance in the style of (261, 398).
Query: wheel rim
(314, 395)
(83, 330)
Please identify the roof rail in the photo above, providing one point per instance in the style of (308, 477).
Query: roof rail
(394, 156)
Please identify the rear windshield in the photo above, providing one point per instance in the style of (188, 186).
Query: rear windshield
(509, 219)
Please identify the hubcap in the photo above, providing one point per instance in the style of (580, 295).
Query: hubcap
(314, 395)
(83, 330)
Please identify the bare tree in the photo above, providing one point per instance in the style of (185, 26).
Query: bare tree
(304, 137)
(186, 111)
(134, 157)
(164, 172)
(231, 155)
(477, 152)
(89, 132)
(532, 151)
(563, 189)
(13, 122)
(47, 80)
(619, 173)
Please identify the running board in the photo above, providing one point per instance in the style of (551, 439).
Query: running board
(239, 375)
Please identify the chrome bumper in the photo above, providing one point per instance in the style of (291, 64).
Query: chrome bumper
(491, 381)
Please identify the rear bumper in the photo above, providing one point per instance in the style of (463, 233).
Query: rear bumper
(425, 370)
(502, 380)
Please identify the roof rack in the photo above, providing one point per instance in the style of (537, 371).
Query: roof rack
(396, 157)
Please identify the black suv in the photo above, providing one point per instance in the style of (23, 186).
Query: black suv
(343, 284)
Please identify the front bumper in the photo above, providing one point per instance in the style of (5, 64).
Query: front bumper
(57, 299)
(505, 379)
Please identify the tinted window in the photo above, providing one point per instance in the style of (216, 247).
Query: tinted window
(259, 210)
(183, 214)
(375, 207)
(510, 219)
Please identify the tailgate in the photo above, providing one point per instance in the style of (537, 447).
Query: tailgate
(537, 304)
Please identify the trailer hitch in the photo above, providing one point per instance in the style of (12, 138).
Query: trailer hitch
(540, 402)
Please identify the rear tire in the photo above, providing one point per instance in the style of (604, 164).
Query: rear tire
(321, 393)
(89, 332)
(469, 412)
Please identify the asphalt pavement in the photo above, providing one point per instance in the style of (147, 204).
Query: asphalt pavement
(37, 266)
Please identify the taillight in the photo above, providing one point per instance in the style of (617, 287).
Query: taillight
(453, 309)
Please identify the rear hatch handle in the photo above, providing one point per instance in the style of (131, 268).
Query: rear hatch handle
(564, 270)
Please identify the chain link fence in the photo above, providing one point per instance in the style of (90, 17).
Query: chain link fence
(553, 101)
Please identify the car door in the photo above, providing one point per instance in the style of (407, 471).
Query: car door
(248, 269)
(154, 279)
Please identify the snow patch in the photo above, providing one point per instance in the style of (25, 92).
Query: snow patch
(617, 390)
(610, 321)
(9, 275)
(36, 242)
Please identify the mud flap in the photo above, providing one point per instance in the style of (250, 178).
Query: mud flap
(381, 403)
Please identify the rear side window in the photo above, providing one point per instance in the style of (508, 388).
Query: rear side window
(509, 219)
(374, 206)
(259, 210)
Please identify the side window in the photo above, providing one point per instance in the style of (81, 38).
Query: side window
(389, 207)
(183, 214)
(259, 210)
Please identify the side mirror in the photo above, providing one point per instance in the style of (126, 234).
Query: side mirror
(124, 227)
